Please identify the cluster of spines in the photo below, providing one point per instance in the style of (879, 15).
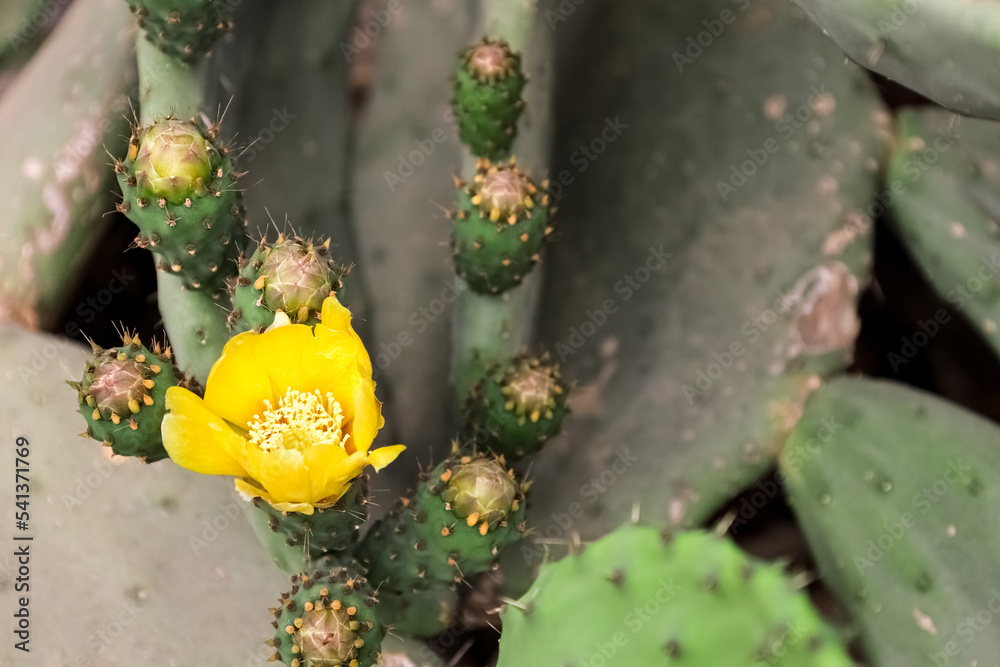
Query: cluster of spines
(487, 97)
(517, 406)
(293, 275)
(122, 397)
(197, 237)
(436, 537)
(184, 29)
(328, 620)
(328, 529)
(499, 227)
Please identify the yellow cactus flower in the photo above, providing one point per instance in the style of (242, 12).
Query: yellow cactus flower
(290, 412)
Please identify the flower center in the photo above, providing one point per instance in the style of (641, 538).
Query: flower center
(300, 420)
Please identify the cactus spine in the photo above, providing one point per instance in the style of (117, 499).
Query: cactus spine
(122, 397)
(183, 29)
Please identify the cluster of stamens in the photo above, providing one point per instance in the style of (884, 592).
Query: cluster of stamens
(300, 420)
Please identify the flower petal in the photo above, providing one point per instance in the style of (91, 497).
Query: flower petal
(383, 456)
(249, 492)
(198, 439)
(365, 421)
(282, 473)
(335, 316)
(236, 387)
(331, 470)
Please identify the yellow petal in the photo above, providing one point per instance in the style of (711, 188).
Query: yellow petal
(197, 439)
(335, 316)
(282, 473)
(236, 388)
(249, 492)
(365, 419)
(383, 456)
(330, 470)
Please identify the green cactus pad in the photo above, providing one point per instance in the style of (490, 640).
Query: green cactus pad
(943, 197)
(327, 620)
(292, 275)
(179, 187)
(897, 492)
(123, 397)
(420, 614)
(517, 406)
(487, 97)
(326, 530)
(944, 51)
(640, 597)
(184, 29)
(499, 227)
(461, 516)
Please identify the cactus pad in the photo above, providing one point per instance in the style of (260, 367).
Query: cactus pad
(328, 620)
(292, 275)
(487, 97)
(462, 515)
(499, 227)
(517, 406)
(184, 29)
(123, 397)
(897, 492)
(639, 597)
(179, 187)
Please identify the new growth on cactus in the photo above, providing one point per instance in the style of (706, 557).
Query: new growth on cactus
(123, 397)
(183, 29)
(517, 406)
(328, 619)
(293, 275)
(487, 97)
(179, 187)
(499, 226)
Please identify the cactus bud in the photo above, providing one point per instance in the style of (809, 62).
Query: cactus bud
(328, 620)
(517, 407)
(179, 187)
(174, 162)
(482, 488)
(487, 97)
(293, 275)
(499, 227)
(122, 397)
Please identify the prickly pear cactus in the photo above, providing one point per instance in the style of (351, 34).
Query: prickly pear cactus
(717, 251)
(941, 50)
(123, 397)
(328, 618)
(517, 406)
(641, 597)
(896, 491)
(184, 29)
(501, 223)
(179, 187)
(292, 275)
(487, 97)
(465, 511)
(942, 195)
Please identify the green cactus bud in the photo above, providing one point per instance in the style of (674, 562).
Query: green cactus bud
(462, 515)
(184, 29)
(123, 397)
(328, 620)
(517, 406)
(699, 602)
(292, 275)
(179, 187)
(499, 227)
(174, 162)
(487, 97)
(327, 530)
